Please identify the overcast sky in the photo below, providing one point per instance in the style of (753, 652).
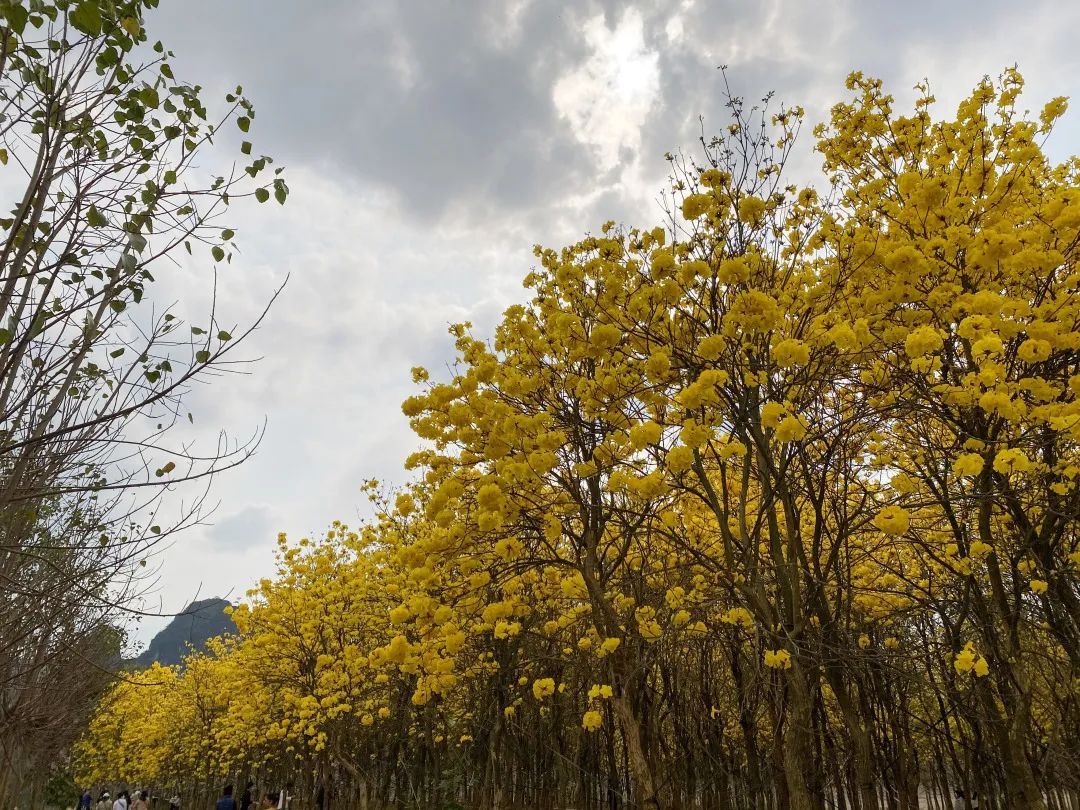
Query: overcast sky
(429, 145)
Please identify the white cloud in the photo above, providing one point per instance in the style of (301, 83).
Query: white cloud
(368, 297)
(607, 98)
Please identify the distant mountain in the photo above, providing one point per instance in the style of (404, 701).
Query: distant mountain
(200, 622)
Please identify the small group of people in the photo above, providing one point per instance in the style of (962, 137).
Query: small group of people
(123, 801)
(271, 800)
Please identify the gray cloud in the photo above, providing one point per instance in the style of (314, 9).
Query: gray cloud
(251, 526)
(448, 104)
(804, 50)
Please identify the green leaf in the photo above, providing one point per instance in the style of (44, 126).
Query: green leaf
(5, 336)
(202, 356)
(131, 25)
(117, 306)
(117, 353)
(223, 336)
(87, 17)
(228, 234)
(155, 530)
(108, 58)
(95, 218)
(218, 253)
(245, 148)
(262, 195)
(37, 326)
(281, 191)
(16, 17)
(243, 122)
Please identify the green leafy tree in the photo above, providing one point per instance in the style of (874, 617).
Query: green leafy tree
(104, 156)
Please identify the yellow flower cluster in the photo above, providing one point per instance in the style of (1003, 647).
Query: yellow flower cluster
(893, 520)
(968, 660)
(777, 659)
(543, 687)
(592, 720)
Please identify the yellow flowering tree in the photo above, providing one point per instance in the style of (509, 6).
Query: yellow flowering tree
(778, 500)
(970, 293)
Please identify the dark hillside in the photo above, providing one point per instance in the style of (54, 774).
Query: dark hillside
(200, 621)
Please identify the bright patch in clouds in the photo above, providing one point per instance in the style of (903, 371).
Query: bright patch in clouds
(607, 99)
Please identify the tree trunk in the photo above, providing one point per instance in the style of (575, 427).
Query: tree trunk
(640, 768)
(797, 742)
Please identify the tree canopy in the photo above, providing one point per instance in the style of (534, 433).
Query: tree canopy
(775, 503)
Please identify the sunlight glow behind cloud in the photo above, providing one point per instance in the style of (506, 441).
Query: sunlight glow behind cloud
(608, 97)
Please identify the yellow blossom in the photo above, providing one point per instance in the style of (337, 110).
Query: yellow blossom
(543, 687)
(892, 520)
(1011, 460)
(592, 720)
(751, 210)
(968, 464)
(778, 659)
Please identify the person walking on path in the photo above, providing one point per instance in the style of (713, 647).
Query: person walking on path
(140, 802)
(226, 802)
(103, 802)
(269, 801)
(285, 798)
(246, 798)
(121, 802)
(85, 800)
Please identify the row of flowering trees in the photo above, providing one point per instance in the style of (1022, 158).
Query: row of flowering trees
(776, 505)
